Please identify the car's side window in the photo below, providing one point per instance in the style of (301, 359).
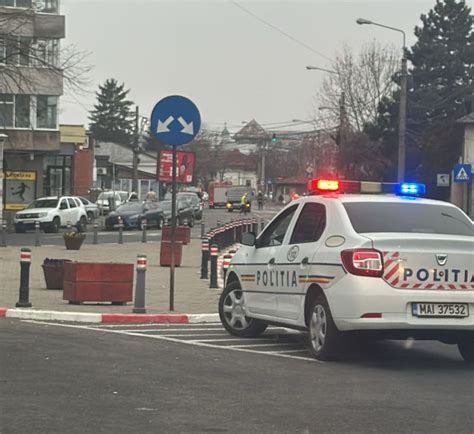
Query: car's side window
(72, 203)
(63, 204)
(275, 233)
(84, 201)
(310, 225)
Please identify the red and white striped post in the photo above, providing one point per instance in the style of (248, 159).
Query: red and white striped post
(226, 265)
(205, 257)
(25, 264)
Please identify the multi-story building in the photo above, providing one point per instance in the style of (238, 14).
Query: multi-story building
(31, 82)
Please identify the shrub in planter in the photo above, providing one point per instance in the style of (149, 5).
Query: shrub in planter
(73, 240)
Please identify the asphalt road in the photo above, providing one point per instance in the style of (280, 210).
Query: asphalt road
(210, 219)
(57, 378)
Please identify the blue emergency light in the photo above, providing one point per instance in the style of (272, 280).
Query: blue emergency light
(412, 189)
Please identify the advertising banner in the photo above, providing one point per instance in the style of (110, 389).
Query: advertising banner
(20, 189)
(184, 166)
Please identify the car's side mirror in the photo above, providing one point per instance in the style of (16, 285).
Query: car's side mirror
(248, 239)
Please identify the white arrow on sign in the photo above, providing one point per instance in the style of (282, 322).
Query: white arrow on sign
(163, 126)
(187, 128)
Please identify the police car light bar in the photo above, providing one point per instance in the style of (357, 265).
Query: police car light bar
(321, 186)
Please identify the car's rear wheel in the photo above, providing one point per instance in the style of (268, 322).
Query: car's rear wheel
(232, 312)
(161, 223)
(325, 340)
(466, 348)
(90, 216)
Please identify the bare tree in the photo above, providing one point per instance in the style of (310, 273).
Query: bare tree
(364, 78)
(25, 62)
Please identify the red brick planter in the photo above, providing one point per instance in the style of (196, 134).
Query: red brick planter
(95, 281)
(183, 234)
(165, 253)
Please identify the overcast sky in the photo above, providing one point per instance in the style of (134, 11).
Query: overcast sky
(231, 64)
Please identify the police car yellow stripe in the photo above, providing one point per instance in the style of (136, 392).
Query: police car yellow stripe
(312, 278)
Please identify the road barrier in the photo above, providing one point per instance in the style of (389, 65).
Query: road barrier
(139, 303)
(25, 264)
(226, 265)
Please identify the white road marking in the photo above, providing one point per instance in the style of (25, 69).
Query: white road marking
(180, 341)
(282, 344)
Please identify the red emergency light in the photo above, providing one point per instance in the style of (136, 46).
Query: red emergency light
(323, 185)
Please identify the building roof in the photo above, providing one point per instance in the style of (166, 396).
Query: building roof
(468, 119)
(252, 131)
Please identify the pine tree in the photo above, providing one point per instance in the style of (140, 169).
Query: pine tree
(440, 84)
(112, 119)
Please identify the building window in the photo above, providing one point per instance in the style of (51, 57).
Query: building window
(22, 111)
(48, 6)
(6, 110)
(16, 3)
(46, 112)
(45, 52)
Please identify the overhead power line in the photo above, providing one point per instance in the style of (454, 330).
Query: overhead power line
(267, 23)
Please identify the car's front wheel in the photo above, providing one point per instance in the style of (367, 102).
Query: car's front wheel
(191, 222)
(466, 348)
(53, 227)
(233, 313)
(325, 340)
(82, 225)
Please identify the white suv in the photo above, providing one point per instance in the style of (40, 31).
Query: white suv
(52, 213)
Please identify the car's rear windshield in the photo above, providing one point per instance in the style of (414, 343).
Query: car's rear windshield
(367, 217)
(44, 203)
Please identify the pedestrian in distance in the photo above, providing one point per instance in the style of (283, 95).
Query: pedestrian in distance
(243, 203)
(260, 200)
(150, 196)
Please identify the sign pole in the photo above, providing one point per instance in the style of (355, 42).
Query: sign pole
(173, 228)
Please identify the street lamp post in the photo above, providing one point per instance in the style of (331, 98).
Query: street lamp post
(402, 115)
(3, 137)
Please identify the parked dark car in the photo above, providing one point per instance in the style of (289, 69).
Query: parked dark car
(159, 216)
(196, 203)
(131, 214)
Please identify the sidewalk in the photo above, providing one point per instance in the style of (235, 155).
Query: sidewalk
(192, 295)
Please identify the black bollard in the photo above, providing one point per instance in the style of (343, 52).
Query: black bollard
(37, 234)
(25, 263)
(214, 255)
(205, 258)
(203, 228)
(120, 226)
(139, 303)
(95, 227)
(3, 241)
(144, 228)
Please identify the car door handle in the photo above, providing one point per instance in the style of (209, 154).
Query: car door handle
(271, 262)
(305, 261)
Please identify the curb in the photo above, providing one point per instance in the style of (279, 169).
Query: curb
(109, 318)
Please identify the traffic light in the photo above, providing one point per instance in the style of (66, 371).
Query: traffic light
(274, 138)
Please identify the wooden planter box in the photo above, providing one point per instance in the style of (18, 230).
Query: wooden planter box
(165, 253)
(96, 281)
(183, 234)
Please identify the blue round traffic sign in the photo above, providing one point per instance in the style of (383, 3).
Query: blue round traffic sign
(175, 120)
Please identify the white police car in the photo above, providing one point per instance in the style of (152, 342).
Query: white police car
(333, 264)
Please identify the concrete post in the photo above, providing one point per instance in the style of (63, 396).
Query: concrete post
(37, 234)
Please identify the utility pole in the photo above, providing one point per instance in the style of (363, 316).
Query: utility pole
(402, 121)
(136, 152)
(262, 168)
